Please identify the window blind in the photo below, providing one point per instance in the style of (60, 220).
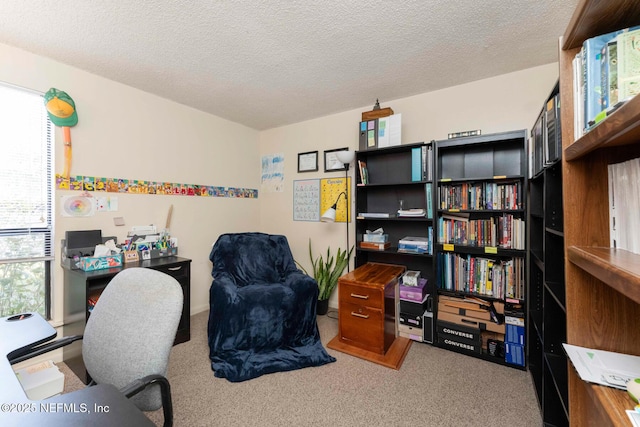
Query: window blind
(25, 177)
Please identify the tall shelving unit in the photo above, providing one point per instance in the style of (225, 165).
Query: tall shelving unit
(484, 179)
(546, 324)
(602, 284)
(390, 180)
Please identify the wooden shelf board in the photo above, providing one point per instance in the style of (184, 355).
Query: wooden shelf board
(617, 268)
(620, 128)
(393, 358)
(587, 20)
(614, 402)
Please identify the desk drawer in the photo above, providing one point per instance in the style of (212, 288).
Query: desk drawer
(360, 295)
(362, 327)
(177, 271)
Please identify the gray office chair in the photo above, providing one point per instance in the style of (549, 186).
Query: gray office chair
(129, 335)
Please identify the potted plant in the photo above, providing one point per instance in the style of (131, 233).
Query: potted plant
(326, 271)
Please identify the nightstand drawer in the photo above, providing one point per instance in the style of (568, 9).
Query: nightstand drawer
(362, 327)
(361, 295)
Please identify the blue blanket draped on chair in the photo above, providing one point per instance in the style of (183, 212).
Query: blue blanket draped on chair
(262, 315)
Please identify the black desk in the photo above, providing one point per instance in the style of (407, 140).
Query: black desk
(80, 285)
(101, 405)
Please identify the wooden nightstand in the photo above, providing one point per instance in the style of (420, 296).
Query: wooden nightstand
(368, 298)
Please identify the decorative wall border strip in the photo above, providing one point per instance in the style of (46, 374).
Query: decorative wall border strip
(134, 186)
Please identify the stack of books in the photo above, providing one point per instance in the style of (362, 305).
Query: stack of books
(416, 245)
(408, 213)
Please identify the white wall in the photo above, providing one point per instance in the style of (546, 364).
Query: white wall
(503, 103)
(126, 133)
(123, 132)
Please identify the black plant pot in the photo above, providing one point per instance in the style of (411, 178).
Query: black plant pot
(322, 307)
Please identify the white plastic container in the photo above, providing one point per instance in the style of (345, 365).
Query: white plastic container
(41, 381)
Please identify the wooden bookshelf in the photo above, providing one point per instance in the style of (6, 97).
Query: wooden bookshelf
(602, 284)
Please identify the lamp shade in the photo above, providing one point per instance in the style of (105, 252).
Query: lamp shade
(346, 157)
(329, 215)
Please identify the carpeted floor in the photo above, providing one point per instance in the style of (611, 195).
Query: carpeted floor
(434, 387)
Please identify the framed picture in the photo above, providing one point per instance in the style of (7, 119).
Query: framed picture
(331, 162)
(308, 162)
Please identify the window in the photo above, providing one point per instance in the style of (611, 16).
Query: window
(25, 202)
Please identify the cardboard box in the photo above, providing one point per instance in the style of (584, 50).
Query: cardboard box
(411, 332)
(476, 304)
(472, 322)
(452, 330)
(460, 344)
(446, 308)
(41, 381)
(91, 263)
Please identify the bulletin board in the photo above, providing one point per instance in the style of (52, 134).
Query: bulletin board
(330, 189)
(306, 200)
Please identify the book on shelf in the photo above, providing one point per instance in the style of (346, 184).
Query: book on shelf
(364, 172)
(417, 244)
(497, 278)
(553, 135)
(375, 245)
(421, 161)
(606, 70)
(375, 215)
(537, 137)
(628, 60)
(429, 192)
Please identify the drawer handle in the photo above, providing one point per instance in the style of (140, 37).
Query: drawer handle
(175, 268)
(359, 296)
(364, 316)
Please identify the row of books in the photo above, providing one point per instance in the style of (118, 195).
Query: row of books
(483, 276)
(408, 244)
(421, 170)
(481, 196)
(421, 161)
(506, 231)
(624, 205)
(546, 136)
(606, 73)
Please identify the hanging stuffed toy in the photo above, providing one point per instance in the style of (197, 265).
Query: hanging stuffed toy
(62, 112)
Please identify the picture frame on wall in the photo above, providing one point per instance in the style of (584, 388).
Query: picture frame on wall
(308, 162)
(331, 162)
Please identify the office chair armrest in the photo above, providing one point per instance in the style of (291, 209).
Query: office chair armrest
(165, 391)
(28, 353)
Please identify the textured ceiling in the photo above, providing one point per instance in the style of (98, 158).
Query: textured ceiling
(271, 63)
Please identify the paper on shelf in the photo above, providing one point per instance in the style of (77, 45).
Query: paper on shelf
(604, 367)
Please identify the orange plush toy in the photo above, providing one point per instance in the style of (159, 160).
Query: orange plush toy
(62, 112)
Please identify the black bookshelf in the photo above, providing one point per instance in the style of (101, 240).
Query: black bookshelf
(547, 325)
(483, 179)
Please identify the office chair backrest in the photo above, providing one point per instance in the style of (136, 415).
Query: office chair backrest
(131, 330)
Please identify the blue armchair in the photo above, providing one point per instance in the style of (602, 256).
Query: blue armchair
(262, 316)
